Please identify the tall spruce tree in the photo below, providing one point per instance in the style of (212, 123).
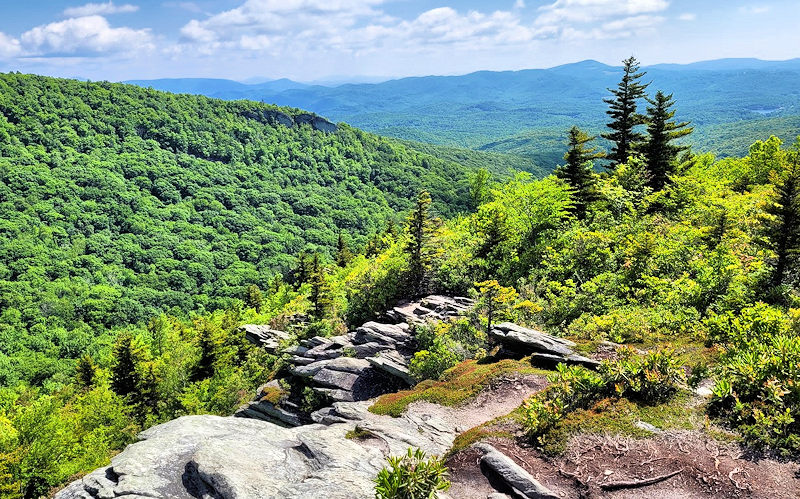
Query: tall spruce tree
(320, 295)
(128, 355)
(783, 230)
(660, 153)
(420, 230)
(622, 110)
(86, 372)
(209, 351)
(343, 253)
(577, 171)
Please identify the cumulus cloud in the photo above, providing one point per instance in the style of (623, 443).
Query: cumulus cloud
(9, 47)
(91, 9)
(590, 11)
(360, 26)
(84, 36)
(354, 26)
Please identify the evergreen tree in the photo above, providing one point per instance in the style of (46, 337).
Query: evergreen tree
(207, 342)
(343, 253)
(577, 172)
(86, 372)
(302, 271)
(146, 396)
(255, 299)
(783, 230)
(624, 117)
(420, 230)
(128, 356)
(320, 297)
(659, 152)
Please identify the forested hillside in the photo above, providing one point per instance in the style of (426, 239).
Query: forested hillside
(526, 112)
(117, 203)
(141, 229)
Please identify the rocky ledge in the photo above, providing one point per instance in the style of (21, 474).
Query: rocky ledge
(544, 349)
(359, 365)
(225, 457)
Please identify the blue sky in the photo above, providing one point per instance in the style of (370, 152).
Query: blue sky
(309, 40)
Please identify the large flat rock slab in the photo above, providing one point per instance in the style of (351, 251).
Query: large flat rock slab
(237, 458)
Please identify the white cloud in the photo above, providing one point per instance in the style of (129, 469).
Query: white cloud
(91, 9)
(519, 4)
(688, 16)
(9, 47)
(590, 11)
(84, 36)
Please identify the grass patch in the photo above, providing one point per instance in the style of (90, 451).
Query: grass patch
(273, 395)
(618, 416)
(358, 433)
(477, 434)
(458, 385)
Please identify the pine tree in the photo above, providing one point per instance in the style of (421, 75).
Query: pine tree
(783, 230)
(127, 357)
(320, 297)
(207, 342)
(659, 152)
(302, 271)
(343, 253)
(577, 171)
(146, 396)
(420, 230)
(255, 299)
(624, 117)
(86, 372)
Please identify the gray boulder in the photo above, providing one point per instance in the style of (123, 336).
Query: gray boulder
(394, 364)
(513, 475)
(543, 348)
(264, 336)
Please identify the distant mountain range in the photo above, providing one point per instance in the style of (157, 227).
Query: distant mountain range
(527, 112)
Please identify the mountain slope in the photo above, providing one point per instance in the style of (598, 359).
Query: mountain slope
(480, 109)
(118, 202)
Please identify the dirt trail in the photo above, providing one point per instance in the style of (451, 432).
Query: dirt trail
(594, 463)
(503, 396)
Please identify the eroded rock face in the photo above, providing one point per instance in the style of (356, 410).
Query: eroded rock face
(227, 457)
(264, 336)
(359, 365)
(544, 348)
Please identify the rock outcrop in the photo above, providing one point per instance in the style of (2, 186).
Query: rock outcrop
(275, 117)
(542, 347)
(518, 481)
(226, 457)
(264, 336)
(362, 364)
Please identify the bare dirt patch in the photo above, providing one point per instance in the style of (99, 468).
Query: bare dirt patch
(621, 467)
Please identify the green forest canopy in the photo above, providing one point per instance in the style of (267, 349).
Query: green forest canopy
(117, 203)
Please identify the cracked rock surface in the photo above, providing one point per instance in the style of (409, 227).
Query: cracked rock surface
(227, 457)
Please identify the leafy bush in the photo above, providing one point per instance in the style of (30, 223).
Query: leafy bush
(650, 378)
(431, 364)
(412, 477)
(757, 386)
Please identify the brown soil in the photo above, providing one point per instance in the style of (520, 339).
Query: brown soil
(707, 468)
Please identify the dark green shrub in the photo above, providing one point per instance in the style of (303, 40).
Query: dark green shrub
(649, 378)
(412, 477)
